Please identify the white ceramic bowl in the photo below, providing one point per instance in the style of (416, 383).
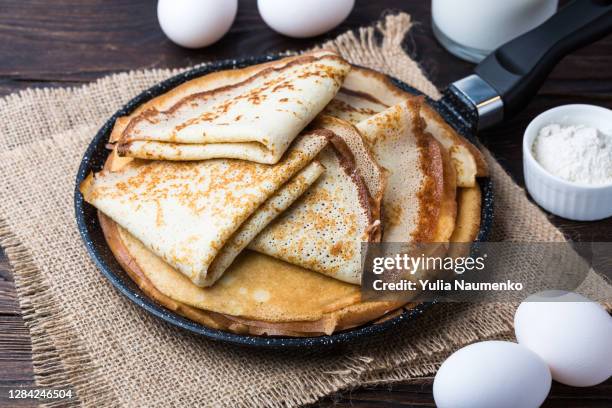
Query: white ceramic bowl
(566, 199)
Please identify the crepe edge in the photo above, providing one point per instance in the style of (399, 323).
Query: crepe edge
(480, 162)
(292, 190)
(447, 217)
(482, 168)
(374, 198)
(431, 165)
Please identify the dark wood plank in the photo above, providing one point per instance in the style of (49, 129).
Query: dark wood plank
(418, 393)
(109, 36)
(15, 346)
(70, 42)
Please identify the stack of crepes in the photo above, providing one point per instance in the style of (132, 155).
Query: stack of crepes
(241, 199)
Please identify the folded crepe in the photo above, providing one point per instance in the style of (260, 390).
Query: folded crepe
(365, 93)
(287, 307)
(197, 216)
(415, 199)
(254, 118)
(257, 295)
(324, 229)
(208, 82)
(417, 193)
(260, 295)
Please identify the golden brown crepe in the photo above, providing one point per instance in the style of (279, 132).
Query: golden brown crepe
(340, 319)
(469, 201)
(256, 291)
(448, 204)
(348, 311)
(365, 93)
(270, 297)
(324, 229)
(414, 193)
(468, 160)
(198, 216)
(255, 119)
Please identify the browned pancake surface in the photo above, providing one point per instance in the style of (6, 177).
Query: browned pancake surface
(340, 310)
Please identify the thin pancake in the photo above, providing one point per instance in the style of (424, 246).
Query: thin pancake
(469, 202)
(448, 204)
(354, 314)
(373, 175)
(213, 80)
(324, 229)
(415, 187)
(186, 212)
(469, 161)
(353, 107)
(268, 211)
(365, 93)
(135, 258)
(342, 318)
(255, 119)
(254, 287)
(263, 295)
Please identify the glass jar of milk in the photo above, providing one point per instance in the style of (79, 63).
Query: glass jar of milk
(471, 29)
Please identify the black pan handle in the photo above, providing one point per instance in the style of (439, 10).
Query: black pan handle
(515, 71)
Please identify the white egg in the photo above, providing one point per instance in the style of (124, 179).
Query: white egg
(571, 333)
(304, 18)
(492, 374)
(196, 23)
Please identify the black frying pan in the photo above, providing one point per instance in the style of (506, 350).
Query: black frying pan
(503, 83)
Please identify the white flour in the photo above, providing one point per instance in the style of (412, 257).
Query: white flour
(579, 153)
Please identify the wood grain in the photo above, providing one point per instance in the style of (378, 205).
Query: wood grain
(15, 347)
(71, 42)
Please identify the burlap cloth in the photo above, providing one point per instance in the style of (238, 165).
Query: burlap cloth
(88, 337)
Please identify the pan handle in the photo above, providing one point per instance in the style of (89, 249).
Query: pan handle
(510, 76)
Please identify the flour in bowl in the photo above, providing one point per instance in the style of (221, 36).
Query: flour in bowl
(579, 153)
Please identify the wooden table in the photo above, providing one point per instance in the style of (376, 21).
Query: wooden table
(72, 42)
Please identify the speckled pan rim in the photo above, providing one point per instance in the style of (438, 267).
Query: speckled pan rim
(98, 250)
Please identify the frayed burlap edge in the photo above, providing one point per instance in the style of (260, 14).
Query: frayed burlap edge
(59, 358)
